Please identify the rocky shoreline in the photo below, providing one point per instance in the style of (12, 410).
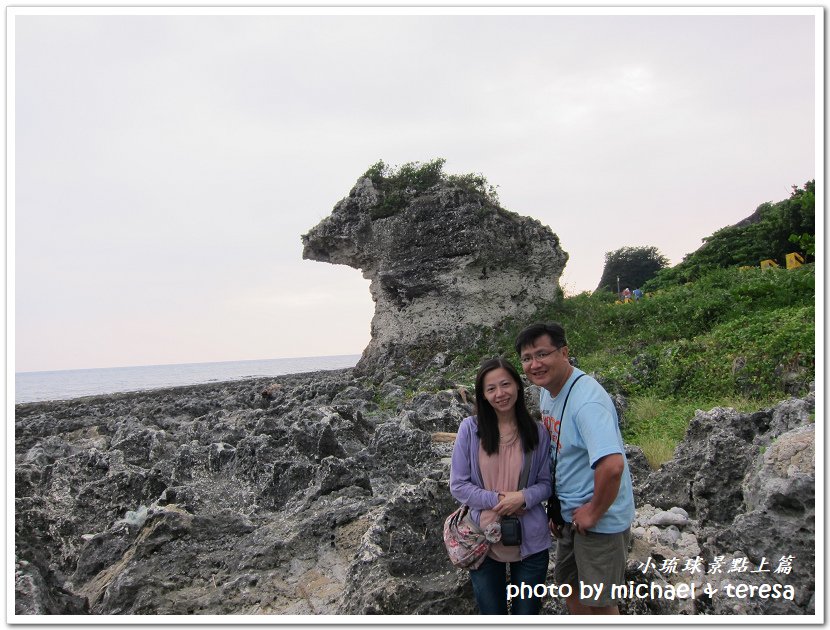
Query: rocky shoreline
(324, 493)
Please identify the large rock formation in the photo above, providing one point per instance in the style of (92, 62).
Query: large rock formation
(325, 494)
(448, 261)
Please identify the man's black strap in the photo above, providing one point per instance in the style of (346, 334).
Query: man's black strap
(525, 471)
(561, 422)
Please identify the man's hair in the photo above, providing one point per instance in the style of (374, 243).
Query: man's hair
(530, 334)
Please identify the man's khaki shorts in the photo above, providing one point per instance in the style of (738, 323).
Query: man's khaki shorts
(591, 559)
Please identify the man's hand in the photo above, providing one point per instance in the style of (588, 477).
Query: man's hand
(510, 503)
(584, 518)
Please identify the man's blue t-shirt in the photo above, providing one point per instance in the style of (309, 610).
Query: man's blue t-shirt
(591, 431)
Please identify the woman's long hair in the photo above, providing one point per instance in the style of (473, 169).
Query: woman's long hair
(488, 422)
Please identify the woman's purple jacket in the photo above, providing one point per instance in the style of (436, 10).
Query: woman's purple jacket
(467, 486)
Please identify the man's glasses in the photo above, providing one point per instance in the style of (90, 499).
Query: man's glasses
(539, 356)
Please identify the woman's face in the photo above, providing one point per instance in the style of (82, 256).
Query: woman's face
(500, 390)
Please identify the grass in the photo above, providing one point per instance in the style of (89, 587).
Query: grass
(657, 425)
(657, 450)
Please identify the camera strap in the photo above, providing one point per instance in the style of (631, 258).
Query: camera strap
(525, 471)
(561, 424)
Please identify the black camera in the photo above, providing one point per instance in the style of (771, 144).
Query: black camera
(511, 531)
(555, 509)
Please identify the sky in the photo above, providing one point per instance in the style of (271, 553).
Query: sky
(164, 167)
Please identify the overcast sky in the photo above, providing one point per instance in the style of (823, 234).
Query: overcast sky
(165, 167)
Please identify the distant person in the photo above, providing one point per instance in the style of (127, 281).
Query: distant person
(638, 293)
(626, 295)
(592, 479)
(487, 462)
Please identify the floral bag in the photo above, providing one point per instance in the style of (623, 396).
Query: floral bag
(466, 543)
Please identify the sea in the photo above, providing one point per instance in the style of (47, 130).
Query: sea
(67, 384)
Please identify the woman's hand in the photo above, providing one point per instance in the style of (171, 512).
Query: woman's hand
(510, 503)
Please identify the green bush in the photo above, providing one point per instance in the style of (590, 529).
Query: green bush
(399, 185)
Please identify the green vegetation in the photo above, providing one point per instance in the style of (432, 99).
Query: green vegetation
(400, 184)
(630, 267)
(733, 338)
(804, 242)
(715, 330)
(770, 233)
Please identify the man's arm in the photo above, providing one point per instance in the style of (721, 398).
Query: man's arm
(607, 475)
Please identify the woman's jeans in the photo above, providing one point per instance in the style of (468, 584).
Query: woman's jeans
(490, 584)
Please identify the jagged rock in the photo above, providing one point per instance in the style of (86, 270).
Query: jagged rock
(220, 456)
(140, 444)
(786, 475)
(399, 448)
(36, 591)
(289, 509)
(254, 459)
(638, 466)
(401, 566)
(532, 399)
(289, 476)
(447, 263)
(780, 516)
(764, 520)
(245, 509)
(335, 474)
(669, 518)
(102, 550)
(441, 411)
(788, 414)
(701, 476)
(271, 392)
(391, 391)
(352, 394)
(670, 535)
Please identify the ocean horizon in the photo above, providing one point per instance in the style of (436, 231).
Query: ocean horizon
(68, 384)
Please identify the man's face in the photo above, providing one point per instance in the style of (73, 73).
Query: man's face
(546, 365)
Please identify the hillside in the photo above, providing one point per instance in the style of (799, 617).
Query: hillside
(770, 233)
(741, 338)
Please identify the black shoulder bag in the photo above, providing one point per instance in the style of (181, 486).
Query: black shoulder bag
(554, 507)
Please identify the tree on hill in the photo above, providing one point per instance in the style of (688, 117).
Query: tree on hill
(632, 265)
(766, 234)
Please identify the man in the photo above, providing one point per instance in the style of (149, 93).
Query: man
(591, 475)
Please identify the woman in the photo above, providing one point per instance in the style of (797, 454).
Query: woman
(487, 463)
